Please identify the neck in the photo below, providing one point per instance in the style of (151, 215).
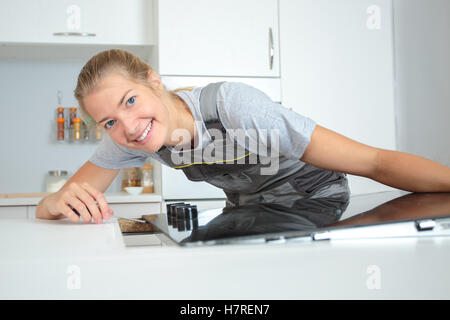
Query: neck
(181, 118)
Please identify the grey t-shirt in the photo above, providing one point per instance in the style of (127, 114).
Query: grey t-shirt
(240, 106)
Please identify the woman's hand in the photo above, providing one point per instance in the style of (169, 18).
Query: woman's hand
(75, 201)
(83, 193)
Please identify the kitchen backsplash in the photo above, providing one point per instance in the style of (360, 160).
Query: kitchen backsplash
(27, 129)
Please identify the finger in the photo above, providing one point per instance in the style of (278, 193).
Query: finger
(81, 194)
(67, 211)
(91, 206)
(105, 210)
(81, 208)
(71, 214)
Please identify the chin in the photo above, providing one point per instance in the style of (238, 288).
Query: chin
(153, 145)
(151, 148)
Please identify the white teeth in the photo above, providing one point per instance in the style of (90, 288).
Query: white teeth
(146, 131)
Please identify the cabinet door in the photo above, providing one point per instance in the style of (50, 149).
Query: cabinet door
(220, 38)
(175, 185)
(31, 212)
(337, 67)
(125, 22)
(201, 204)
(13, 212)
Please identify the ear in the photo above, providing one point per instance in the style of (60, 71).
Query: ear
(154, 80)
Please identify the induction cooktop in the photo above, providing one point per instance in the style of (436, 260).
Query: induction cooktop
(377, 215)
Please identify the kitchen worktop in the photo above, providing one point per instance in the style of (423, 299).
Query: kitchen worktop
(118, 197)
(42, 259)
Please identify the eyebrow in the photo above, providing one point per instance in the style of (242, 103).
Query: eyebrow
(118, 105)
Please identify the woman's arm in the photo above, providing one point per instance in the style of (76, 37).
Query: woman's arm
(332, 151)
(410, 206)
(83, 192)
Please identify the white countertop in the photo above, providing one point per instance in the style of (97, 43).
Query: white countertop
(119, 197)
(41, 259)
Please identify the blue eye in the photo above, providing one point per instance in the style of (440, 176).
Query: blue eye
(109, 124)
(130, 101)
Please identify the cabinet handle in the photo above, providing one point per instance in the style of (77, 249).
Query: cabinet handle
(271, 49)
(74, 34)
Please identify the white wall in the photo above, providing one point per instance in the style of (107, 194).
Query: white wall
(422, 57)
(28, 91)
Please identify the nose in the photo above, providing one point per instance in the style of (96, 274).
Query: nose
(131, 127)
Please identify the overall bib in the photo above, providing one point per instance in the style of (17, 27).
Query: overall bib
(238, 171)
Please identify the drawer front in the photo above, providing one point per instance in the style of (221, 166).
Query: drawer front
(9, 212)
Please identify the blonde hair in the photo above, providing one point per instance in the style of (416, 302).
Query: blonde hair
(105, 62)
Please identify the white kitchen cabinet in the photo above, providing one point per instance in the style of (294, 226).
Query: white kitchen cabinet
(204, 204)
(31, 212)
(218, 38)
(99, 22)
(337, 68)
(13, 212)
(175, 185)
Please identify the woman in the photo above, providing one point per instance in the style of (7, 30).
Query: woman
(281, 156)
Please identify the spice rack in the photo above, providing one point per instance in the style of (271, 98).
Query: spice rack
(70, 128)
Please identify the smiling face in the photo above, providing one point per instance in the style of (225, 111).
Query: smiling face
(133, 114)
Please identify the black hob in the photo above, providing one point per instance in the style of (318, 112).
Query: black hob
(377, 215)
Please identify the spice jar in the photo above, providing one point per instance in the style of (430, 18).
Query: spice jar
(60, 126)
(130, 178)
(60, 112)
(55, 180)
(147, 178)
(72, 116)
(85, 130)
(76, 129)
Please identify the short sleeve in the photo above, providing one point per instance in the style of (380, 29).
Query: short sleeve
(241, 106)
(111, 155)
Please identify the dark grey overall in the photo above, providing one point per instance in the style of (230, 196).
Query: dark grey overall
(242, 181)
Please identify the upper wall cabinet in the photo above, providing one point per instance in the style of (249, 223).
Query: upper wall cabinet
(218, 38)
(337, 64)
(100, 22)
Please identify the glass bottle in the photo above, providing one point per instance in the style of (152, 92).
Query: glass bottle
(60, 112)
(72, 116)
(55, 180)
(85, 130)
(76, 129)
(60, 126)
(147, 178)
(130, 178)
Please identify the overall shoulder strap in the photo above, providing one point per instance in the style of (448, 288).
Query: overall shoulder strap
(208, 106)
(208, 109)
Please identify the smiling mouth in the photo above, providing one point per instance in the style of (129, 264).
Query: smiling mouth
(145, 133)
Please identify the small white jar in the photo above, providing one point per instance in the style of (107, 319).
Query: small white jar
(55, 180)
